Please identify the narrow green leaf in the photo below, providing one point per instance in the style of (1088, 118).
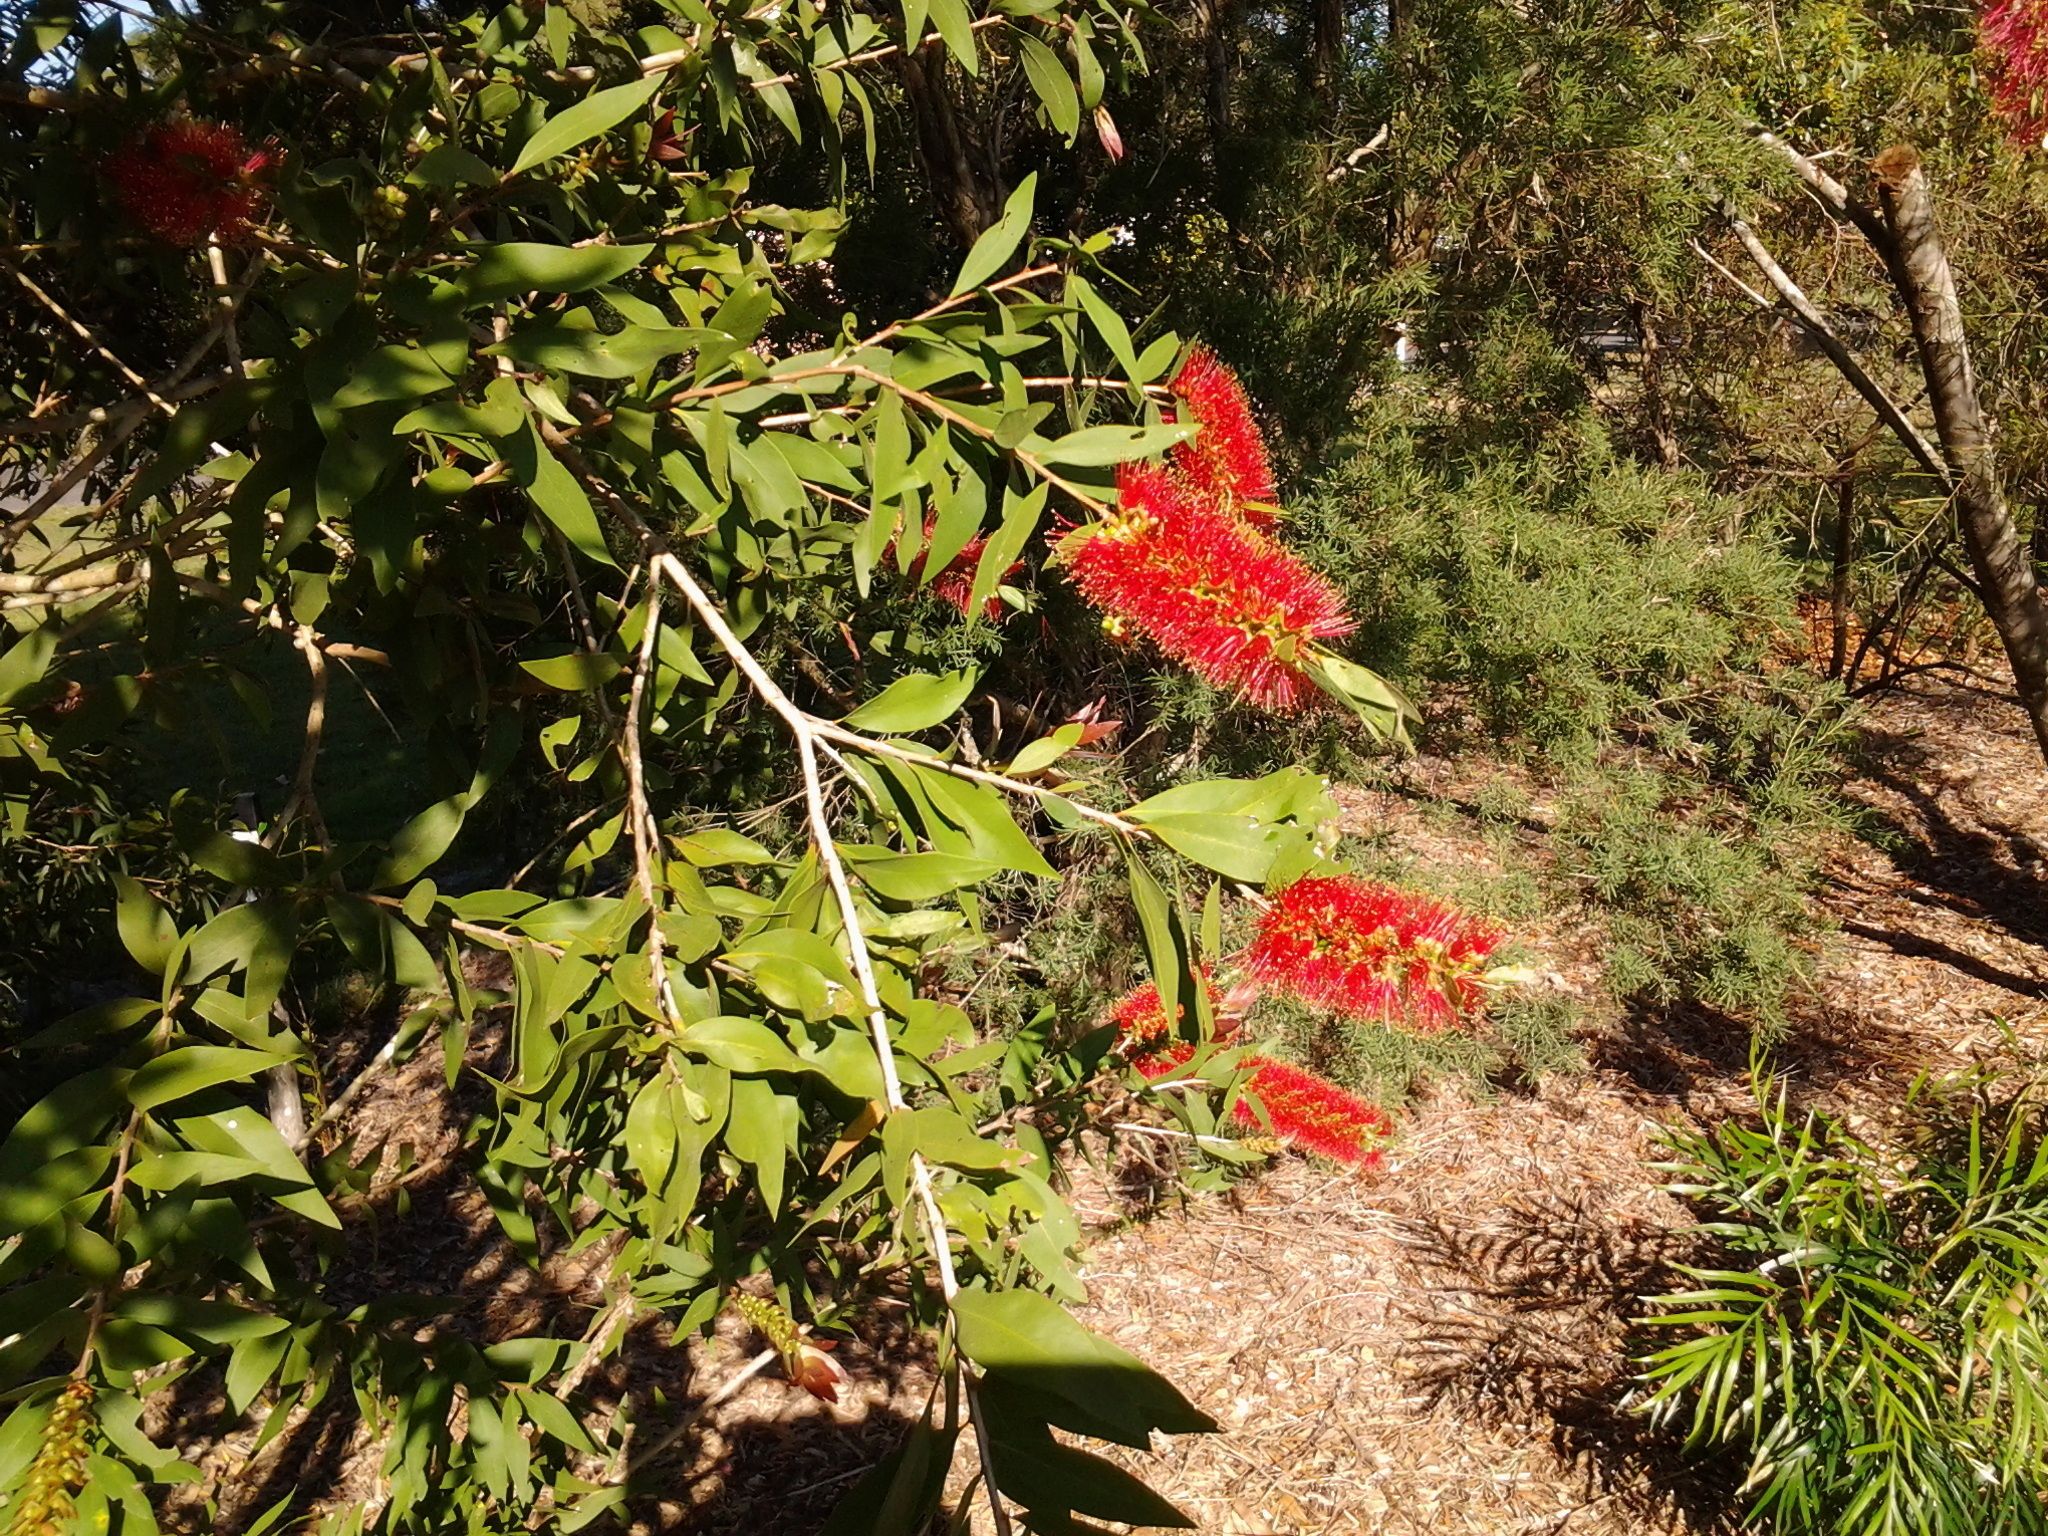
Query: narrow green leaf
(999, 242)
(584, 120)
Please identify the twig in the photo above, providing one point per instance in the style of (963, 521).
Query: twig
(662, 563)
(86, 335)
(1816, 325)
(726, 1389)
(303, 801)
(638, 813)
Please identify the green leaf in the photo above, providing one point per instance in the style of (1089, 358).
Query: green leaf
(419, 844)
(1049, 80)
(1093, 447)
(1238, 847)
(999, 242)
(598, 355)
(24, 662)
(940, 1135)
(517, 267)
(578, 124)
(741, 1045)
(1032, 1339)
(1384, 709)
(956, 25)
(923, 876)
(555, 492)
(146, 929)
(1040, 1473)
(983, 813)
(177, 1074)
(914, 702)
(1020, 522)
(758, 1131)
(1109, 325)
(397, 372)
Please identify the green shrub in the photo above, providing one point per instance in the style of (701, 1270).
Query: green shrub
(1699, 906)
(1570, 597)
(1868, 1330)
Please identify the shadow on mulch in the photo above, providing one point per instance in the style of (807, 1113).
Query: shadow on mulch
(1548, 1291)
(1990, 870)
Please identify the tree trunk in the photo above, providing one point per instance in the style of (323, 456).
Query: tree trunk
(1920, 268)
(1326, 51)
(968, 195)
(1215, 21)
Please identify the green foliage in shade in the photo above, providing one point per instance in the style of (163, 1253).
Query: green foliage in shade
(1866, 1325)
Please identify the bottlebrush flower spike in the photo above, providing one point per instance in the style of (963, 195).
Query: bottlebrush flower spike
(805, 1360)
(1213, 594)
(1140, 1018)
(1225, 462)
(1301, 1108)
(1311, 1113)
(1373, 951)
(185, 181)
(2015, 36)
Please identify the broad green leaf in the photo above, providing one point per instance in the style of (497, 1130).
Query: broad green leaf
(1020, 521)
(504, 271)
(420, 842)
(1093, 447)
(758, 1131)
(741, 1045)
(584, 120)
(1033, 1339)
(983, 813)
(180, 1073)
(1048, 77)
(1384, 709)
(1238, 847)
(573, 671)
(24, 662)
(1109, 325)
(146, 929)
(999, 242)
(1040, 1473)
(555, 492)
(923, 876)
(955, 23)
(914, 702)
(597, 355)
(396, 372)
(710, 847)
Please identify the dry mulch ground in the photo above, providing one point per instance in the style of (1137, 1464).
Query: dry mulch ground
(1440, 1344)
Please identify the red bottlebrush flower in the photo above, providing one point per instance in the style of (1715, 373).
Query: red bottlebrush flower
(185, 181)
(1373, 951)
(1311, 1113)
(1225, 462)
(1140, 1018)
(955, 584)
(1215, 595)
(1301, 1109)
(2015, 36)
